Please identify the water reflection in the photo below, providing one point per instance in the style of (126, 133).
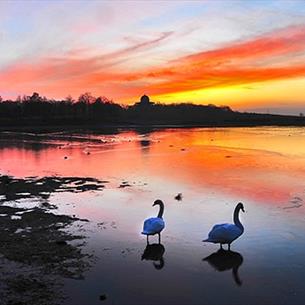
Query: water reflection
(154, 252)
(25, 145)
(211, 177)
(145, 143)
(144, 133)
(184, 156)
(225, 260)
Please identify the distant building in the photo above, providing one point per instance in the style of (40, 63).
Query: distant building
(144, 102)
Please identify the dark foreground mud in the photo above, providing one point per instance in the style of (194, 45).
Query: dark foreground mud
(38, 249)
(41, 188)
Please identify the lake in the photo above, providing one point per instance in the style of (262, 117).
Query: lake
(213, 169)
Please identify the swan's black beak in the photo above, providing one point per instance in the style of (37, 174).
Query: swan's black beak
(243, 209)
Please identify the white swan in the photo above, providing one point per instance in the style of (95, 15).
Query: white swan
(154, 225)
(226, 233)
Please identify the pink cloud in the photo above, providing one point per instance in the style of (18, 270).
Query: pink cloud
(259, 59)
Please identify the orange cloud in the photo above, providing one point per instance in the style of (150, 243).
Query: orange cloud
(272, 56)
(232, 65)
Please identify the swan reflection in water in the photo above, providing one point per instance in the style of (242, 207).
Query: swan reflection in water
(225, 260)
(154, 252)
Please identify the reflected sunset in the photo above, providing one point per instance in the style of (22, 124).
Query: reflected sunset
(212, 169)
(240, 162)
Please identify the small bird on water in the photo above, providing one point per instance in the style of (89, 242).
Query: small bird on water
(178, 197)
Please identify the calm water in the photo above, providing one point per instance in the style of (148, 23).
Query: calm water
(213, 169)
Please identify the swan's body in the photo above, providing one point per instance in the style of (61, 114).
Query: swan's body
(154, 225)
(226, 233)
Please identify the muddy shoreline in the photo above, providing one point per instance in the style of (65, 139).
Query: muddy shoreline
(37, 248)
(116, 128)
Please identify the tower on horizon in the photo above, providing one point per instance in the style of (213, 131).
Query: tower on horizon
(144, 101)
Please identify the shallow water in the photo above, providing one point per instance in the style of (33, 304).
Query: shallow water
(213, 169)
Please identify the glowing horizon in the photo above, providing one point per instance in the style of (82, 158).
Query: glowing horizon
(242, 54)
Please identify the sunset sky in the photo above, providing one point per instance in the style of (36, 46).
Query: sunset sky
(249, 55)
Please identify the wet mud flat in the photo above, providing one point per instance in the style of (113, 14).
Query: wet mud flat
(38, 249)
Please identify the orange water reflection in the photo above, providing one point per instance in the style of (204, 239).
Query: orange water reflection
(262, 164)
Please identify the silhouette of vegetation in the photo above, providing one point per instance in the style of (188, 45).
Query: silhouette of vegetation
(87, 110)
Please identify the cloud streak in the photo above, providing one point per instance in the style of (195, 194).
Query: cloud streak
(234, 64)
(272, 56)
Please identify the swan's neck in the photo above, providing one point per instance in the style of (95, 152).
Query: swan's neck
(236, 218)
(161, 210)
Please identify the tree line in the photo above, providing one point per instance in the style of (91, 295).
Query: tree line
(36, 110)
(87, 108)
(41, 109)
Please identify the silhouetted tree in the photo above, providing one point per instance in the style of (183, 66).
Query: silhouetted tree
(69, 100)
(84, 101)
(86, 98)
